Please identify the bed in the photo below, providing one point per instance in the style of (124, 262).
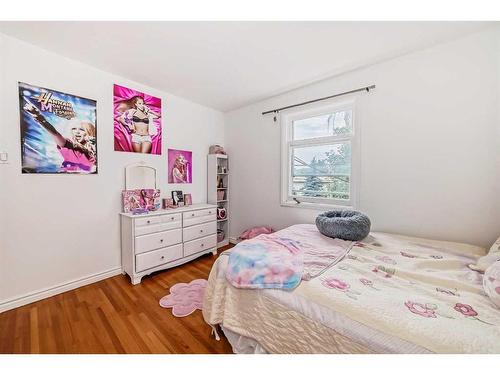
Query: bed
(389, 294)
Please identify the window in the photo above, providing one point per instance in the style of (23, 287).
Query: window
(319, 148)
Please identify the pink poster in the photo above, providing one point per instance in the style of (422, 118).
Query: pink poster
(137, 121)
(180, 166)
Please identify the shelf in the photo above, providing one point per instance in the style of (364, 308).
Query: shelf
(218, 190)
(224, 242)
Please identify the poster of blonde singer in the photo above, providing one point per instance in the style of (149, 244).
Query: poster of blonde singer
(137, 121)
(58, 131)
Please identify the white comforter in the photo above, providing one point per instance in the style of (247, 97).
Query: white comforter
(390, 294)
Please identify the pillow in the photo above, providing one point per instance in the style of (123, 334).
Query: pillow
(491, 283)
(255, 231)
(495, 248)
(485, 261)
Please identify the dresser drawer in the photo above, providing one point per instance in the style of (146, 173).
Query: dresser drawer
(147, 221)
(193, 247)
(197, 231)
(156, 240)
(157, 257)
(147, 229)
(198, 217)
(172, 218)
(199, 220)
(198, 213)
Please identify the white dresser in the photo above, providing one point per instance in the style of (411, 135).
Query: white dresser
(166, 238)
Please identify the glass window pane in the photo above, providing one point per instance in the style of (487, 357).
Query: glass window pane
(322, 171)
(338, 123)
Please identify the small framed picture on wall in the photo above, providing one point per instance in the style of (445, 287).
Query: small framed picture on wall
(180, 166)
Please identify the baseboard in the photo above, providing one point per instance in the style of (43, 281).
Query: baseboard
(61, 288)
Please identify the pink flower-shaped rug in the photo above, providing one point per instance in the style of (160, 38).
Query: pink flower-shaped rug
(184, 298)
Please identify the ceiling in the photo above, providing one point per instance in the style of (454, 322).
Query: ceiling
(226, 65)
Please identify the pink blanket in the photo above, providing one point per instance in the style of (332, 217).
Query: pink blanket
(282, 259)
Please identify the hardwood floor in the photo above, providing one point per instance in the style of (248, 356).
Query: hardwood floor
(112, 316)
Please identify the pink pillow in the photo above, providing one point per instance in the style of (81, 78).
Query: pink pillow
(491, 283)
(255, 231)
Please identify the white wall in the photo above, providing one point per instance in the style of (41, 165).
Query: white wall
(55, 229)
(429, 141)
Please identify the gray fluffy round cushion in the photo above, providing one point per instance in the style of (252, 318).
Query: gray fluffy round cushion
(344, 224)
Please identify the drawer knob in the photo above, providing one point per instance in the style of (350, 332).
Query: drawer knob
(149, 222)
(172, 218)
(161, 240)
(201, 230)
(192, 214)
(209, 212)
(202, 244)
(163, 257)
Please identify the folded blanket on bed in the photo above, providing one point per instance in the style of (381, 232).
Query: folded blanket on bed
(280, 260)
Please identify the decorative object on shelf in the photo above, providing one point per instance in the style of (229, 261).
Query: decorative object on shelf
(137, 121)
(151, 199)
(188, 201)
(131, 200)
(220, 182)
(180, 166)
(220, 195)
(221, 213)
(221, 169)
(168, 203)
(58, 131)
(177, 198)
(216, 149)
(220, 235)
(141, 199)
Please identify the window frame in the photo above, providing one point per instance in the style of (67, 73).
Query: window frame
(288, 144)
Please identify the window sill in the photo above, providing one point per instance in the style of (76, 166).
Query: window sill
(316, 206)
